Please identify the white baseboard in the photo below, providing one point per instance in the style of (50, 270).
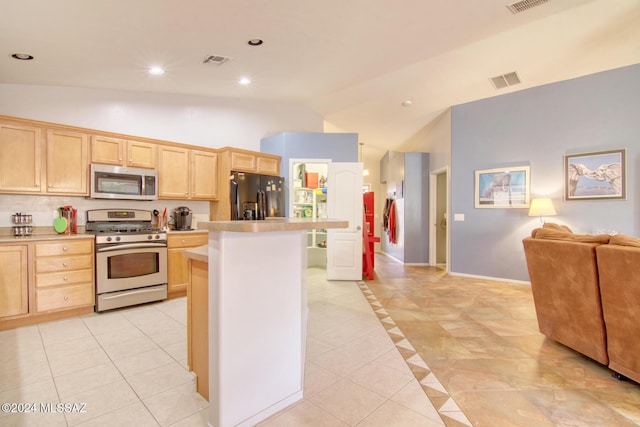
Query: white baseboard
(495, 279)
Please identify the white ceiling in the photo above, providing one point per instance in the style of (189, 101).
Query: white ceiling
(352, 61)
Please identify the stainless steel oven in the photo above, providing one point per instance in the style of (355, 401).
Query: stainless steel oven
(131, 258)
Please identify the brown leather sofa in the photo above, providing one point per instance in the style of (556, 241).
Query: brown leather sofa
(564, 281)
(619, 271)
(586, 291)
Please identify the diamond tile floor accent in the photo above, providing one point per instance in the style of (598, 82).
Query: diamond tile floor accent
(484, 357)
(437, 394)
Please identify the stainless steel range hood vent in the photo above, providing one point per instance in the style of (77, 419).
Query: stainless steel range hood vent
(521, 6)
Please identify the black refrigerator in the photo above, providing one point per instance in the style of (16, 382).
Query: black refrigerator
(256, 196)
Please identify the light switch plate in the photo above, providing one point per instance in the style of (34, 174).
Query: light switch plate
(458, 217)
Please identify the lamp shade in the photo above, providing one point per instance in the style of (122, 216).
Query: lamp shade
(541, 207)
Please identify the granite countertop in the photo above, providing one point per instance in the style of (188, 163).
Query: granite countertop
(8, 238)
(280, 224)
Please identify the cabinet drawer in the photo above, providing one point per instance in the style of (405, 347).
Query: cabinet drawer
(64, 297)
(187, 240)
(64, 278)
(65, 248)
(242, 161)
(63, 263)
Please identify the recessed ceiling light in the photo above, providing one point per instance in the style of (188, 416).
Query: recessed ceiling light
(156, 71)
(407, 103)
(22, 56)
(244, 81)
(255, 42)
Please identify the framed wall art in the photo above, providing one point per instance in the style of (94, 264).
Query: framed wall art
(503, 188)
(596, 175)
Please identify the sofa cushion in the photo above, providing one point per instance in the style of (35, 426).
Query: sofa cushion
(551, 234)
(551, 226)
(623, 240)
(554, 226)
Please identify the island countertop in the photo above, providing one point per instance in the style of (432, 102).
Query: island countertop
(280, 224)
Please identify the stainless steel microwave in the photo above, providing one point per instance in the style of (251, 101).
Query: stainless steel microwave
(116, 182)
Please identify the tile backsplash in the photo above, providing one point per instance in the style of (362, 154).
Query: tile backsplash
(42, 207)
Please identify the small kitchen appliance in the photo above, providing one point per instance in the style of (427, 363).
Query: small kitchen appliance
(182, 217)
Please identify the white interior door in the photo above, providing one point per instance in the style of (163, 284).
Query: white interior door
(344, 201)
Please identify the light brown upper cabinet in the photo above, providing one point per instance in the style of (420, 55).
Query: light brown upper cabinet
(267, 165)
(20, 158)
(187, 174)
(173, 172)
(204, 175)
(121, 152)
(251, 161)
(67, 164)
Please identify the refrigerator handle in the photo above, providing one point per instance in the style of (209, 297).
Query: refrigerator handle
(235, 201)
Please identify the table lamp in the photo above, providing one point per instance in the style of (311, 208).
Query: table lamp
(541, 207)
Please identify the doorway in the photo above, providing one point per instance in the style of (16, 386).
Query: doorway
(438, 202)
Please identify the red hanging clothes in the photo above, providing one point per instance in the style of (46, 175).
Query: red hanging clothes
(391, 227)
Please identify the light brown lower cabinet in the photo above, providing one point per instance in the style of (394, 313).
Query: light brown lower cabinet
(64, 275)
(14, 284)
(198, 325)
(178, 273)
(45, 280)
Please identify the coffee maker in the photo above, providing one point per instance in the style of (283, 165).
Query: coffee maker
(182, 218)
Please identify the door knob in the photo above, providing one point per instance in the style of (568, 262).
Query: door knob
(358, 228)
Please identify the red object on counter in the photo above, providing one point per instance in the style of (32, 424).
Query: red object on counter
(72, 218)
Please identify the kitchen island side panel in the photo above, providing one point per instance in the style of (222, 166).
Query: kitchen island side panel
(257, 326)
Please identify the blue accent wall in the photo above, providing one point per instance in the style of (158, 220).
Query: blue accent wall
(337, 147)
(537, 127)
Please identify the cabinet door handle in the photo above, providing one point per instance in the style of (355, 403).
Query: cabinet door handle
(64, 249)
(66, 298)
(64, 264)
(65, 278)
(182, 241)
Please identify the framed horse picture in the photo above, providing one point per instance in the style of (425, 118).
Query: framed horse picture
(596, 175)
(503, 188)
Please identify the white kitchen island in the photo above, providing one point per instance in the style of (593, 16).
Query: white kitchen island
(257, 316)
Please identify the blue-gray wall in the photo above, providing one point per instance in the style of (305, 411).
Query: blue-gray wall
(406, 176)
(537, 127)
(416, 214)
(337, 147)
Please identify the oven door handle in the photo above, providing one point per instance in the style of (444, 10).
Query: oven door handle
(132, 246)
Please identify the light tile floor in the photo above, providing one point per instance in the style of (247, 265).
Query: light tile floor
(128, 368)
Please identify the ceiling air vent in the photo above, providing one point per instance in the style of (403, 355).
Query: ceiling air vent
(215, 59)
(505, 80)
(521, 6)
